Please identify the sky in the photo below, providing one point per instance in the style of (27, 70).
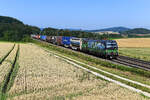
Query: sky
(79, 14)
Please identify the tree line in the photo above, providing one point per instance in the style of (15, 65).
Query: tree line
(12, 29)
(79, 34)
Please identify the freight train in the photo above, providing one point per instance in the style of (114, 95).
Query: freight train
(103, 48)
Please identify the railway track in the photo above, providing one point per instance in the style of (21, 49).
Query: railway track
(122, 60)
(132, 62)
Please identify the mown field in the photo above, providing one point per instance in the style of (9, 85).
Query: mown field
(135, 47)
(42, 76)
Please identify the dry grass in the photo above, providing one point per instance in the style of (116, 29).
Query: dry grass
(134, 42)
(4, 48)
(42, 76)
(6, 65)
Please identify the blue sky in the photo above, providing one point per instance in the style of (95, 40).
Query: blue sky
(83, 14)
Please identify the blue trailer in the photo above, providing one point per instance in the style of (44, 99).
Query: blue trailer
(66, 41)
(43, 37)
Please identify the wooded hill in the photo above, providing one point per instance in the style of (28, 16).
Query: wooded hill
(12, 29)
(137, 31)
(114, 29)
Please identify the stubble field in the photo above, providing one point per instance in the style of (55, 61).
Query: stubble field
(43, 77)
(4, 48)
(134, 43)
(7, 64)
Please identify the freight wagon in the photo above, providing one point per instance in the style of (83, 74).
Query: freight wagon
(54, 39)
(59, 40)
(43, 37)
(76, 43)
(38, 36)
(66, 41)
(49, 39)
(33, 36)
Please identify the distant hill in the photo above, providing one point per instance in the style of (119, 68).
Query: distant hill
(72, 29)
(9, 20)
(137, 31)
(114, 29)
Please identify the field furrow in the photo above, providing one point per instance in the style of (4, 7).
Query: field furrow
(42, 76)
(4, 48)
(6, 66)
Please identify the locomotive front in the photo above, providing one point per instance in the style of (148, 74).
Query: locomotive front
(111, 49)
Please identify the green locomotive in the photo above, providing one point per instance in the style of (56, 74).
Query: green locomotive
(103, 48)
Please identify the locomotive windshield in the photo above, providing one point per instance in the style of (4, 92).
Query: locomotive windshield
(111, 45)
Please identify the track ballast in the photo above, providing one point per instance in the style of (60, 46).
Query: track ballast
(132, 62)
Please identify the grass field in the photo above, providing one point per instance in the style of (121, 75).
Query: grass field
(43, 77)
(140, 53)
(135, 47)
